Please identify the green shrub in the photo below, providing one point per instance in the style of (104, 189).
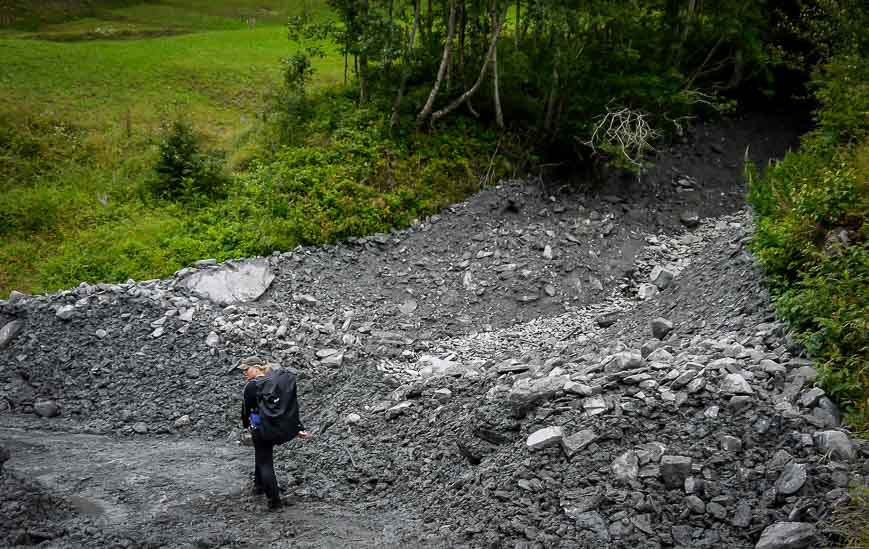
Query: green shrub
(183, 169)
(812, 235)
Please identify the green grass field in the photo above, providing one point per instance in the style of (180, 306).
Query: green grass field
(84, 90)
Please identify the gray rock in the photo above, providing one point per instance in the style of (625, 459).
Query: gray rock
(46, 408)
(690, 219)
(399, 409)
(606, 320)
(626, 467)
(305, 299)
(580, 389)
(695, 504)
(647, 291)
(526, 392)
(9, 332)
(202, 263)
(742, 515)
(654, 449)
(544, 438)
(213, 340)
(836, 443)
(738, 402)
(593, 521)
(791, 479)
(661, 327)
(334, 360)
(353, 418)
(810, 397)
(643, 523)
(624, 361)
(649, 347)
(182, 422)
(233, 282)
(731, 444)
(683, 535)
(736, 384)
(101, 333)
(716, 510)
(660, 355)
(779, 460)
(577, 441)
(674, 470)
(787, 535)
(512, 366)
(683, 379)
(582, 501)
(662, 277)
(697, 384)
(140, 427)
(16, 297)
(595, 405)
(827, 405)
(65, 312)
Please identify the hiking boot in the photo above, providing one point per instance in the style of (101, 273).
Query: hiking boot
(275, 504)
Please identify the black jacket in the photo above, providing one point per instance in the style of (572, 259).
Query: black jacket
(249, 403)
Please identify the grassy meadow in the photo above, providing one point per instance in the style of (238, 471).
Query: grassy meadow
(84, 93)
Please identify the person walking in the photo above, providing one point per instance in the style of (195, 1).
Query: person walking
(270, 410)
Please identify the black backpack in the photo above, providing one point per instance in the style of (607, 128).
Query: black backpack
(278, 406)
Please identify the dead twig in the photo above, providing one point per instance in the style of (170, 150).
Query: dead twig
(627, 130)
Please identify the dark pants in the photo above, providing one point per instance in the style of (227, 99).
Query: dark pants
(264, 470)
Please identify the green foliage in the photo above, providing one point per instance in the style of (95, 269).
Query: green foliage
(183, 169)
(812, 234)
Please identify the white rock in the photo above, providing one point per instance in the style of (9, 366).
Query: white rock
(543, 438)
(736, 384)
(65, 312)
(647, 291)
(213, 340)
(233, 282)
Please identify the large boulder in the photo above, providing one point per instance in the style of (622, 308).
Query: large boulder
(233, 282)
(9, 332)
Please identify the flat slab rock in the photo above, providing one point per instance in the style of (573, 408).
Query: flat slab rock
(233, 282)
(787, 535)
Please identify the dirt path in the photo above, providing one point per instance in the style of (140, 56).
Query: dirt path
(195, 492)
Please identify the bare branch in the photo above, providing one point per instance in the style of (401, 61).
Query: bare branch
(628, 131)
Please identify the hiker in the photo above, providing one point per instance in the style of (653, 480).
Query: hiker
(270, 409)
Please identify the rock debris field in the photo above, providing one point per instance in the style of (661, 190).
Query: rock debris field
(542, 365)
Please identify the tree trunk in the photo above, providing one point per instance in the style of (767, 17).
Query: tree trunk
(499, 23)
(499, 114)
(363, 62)
(516, 30)
(462, 29)
(553, 93)
(405, 69)
(429, 104)
(429, 20)
(738, 69)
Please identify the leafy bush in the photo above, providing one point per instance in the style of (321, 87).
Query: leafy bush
(183, 170)
(812, 234)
